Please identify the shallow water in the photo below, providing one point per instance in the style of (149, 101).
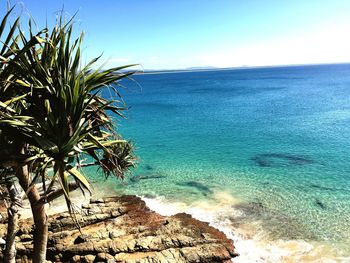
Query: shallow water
(264, 151)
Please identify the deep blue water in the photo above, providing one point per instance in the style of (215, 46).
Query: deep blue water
(277, 139)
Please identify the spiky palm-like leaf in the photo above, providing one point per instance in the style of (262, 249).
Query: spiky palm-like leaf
(62, 112)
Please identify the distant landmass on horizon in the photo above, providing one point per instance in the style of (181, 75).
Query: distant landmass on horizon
(212, 68)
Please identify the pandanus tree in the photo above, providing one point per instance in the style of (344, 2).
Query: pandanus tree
(62, 116)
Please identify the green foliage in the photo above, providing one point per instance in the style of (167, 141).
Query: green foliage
(52, 107)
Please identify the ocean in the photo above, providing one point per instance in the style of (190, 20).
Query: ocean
(261, 153)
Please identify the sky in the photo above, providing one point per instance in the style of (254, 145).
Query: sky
(161, 34)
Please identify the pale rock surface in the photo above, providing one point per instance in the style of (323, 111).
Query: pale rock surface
(124, 229)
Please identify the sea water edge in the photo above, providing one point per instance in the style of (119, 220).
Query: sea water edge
(260, 153)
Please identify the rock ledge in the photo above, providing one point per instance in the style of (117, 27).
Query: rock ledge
(124, 229)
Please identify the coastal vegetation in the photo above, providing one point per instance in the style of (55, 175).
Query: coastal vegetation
(53, 117)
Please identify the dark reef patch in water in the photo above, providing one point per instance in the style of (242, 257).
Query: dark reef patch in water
(258, 204)
(253, 208)
(320, 204)
(205, 190)
(148, 167)
(139, 177)
(280, 160)
(276, 224)
(322, 187)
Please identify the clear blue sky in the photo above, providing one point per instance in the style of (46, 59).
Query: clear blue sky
(186, 33)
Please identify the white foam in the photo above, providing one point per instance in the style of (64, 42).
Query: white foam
(249, 242)
(213, 212)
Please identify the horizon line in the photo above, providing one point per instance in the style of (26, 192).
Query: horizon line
(213, 68)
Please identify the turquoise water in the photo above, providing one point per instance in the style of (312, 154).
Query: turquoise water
(276, 139)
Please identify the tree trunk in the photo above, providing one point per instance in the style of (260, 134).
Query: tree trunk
(12, 225)
(40, 232)
(39, 214)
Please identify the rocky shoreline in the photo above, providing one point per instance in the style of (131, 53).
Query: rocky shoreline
(124, 229)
